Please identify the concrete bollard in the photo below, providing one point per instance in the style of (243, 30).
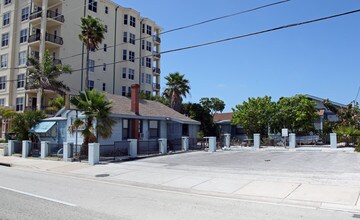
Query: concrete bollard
(212, 144)
(94, 153)
(5, 151)
(133, 148)
(227, 140)
(256, 141)
(44, 149)
(67, 151)
(11, 147)
(333, 140)
(185, 143)
(25, 148)
(292, 141)
(163, 145)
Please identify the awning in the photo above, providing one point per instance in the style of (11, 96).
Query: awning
(42, 127)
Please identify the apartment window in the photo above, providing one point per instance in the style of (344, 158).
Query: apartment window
(143, 44)
(91, 65)
(131, 56)
(123, 91)
(125, 37)
(129, 91)
(2, 102)
(23, 35)
(106, 10)
(22, 58)
(142, 78)
(143, 28)
(126, 19)
(20, 104)
(153, 129)
(104, 87)
(148, 29)
(148, 46)
(148, 93)
(3, 83)
(125, 127)
(106, 28)
(132, 38)
(105, 47)
(25, 13)
(93, 5)
(124, 73)
(142, 61)
(131, 74)
(148, 78)
(4, 61)
(148, 62)
(6, 18)
(6, 2)
(124, 54)
(132, 21)
(20, 81)
(90, 84)
(5, 39)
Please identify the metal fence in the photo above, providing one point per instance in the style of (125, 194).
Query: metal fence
(175, 145)
(197, 144)
(55, 149)
(114, 151)
(17, 147)
(35, 149)
(147, 147)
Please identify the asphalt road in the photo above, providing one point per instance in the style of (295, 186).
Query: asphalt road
(39, 195)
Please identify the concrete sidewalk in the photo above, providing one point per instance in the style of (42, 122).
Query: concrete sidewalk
(266, 186)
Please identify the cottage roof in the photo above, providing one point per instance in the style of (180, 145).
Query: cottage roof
(322, 100)
(223, 117)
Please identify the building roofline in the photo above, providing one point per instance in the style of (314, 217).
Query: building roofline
(321, 100)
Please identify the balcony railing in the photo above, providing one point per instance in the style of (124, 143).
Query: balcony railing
(157, 39)
(57, 62)
(156, 70)
(56, 16)
(156, 86)
(54, 39)
(157, 55)
(34, 37)
(36, 14)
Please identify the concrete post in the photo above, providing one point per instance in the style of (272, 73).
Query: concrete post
(163, 145)
(67, 151)
(5, 150)
(44, 149)
(25, 148)
(292, 141)
(256, 141)
(133, 148)
(227, 140)
(212, 144)
(333, 140)
(94, 153)
(11, 147)
(185, 143)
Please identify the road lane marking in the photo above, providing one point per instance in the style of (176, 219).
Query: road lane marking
(39, 197)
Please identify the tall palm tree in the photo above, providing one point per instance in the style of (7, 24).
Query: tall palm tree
(177, 88)
(94, 105)
(92, 34)
(44, 76)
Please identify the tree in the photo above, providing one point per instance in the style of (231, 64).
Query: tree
(55, 105)
(349, 116)
(296, 113)
(92, 34)
(254, 115)
(161, 99)
(23, 122)
(214, 105)
(94, 106)
(44, 76)
(177, 88)
(197, 112)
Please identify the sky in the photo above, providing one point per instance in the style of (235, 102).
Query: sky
(321, 59)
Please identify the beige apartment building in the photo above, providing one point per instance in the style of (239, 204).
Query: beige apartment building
(128, 54)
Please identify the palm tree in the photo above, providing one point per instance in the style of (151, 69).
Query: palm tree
(44, 76)
(177, 88)
(55, 105)
(92, 34)
(94, 105)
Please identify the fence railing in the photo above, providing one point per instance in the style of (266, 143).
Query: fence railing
(55, 149)
(147, 147)
(175, 144)
(113, 151)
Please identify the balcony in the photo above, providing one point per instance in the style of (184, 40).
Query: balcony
(51, 40)
(33, 38)
(35, 15)
(157, 39)
(54, 39)
(55, 16)
(156, 70)
(156, 86)
(157, 55)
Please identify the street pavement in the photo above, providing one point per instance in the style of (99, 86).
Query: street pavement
(319, 180)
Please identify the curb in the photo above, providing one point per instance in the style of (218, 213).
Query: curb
(5, 164)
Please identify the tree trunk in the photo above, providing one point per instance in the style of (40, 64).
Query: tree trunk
(86, 86)
(39, 96)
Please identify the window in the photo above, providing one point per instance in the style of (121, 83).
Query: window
(142, 61)
(148, 78)
(90, 84)
(3, 83)
(23, 35)
(20, 81)
(126, 19)
(22, 58)
(104, 87)
(124, 73)
(6, 2)
(153, 129)
(148, 93)
(123, 91)
(148, 62)
(105, 47)
(125, 131)
(143, 28)
(2, 102)
(6, 18)
(20, 104)
(5, 39)
(132, 38)
(25, 14)
(132, 21)
(106, 10)
(148, 29)
(104, 67)
(143, 44)
(131, 74)
(129, 91)
(142, 78)
(4, 61)
(131, 56)
(91, 65)
(185, 130)
(92, 5)
(125, 37)
(106, 28)
(148, 46)
(124, 54)
(92, 49)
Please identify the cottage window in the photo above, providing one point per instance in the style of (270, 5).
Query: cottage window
(153, 129)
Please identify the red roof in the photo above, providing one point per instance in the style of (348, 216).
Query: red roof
(223, 116)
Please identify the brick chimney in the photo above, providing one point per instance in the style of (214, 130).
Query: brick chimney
(135, 108)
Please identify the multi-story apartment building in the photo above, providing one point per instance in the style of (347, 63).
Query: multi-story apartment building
(129, 53)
